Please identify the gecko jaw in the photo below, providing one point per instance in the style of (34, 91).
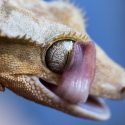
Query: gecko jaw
(94, 108)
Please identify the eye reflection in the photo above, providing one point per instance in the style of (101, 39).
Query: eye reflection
(58, 55)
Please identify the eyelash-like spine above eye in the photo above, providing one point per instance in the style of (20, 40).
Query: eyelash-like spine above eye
(75, 36)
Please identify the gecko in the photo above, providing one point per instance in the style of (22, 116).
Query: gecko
(47, 56)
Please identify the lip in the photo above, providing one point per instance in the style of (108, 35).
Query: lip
(94, 108)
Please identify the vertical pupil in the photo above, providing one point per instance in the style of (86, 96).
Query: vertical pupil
(58, 55)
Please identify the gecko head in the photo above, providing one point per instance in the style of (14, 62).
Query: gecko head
(68, 74)
(53, 65)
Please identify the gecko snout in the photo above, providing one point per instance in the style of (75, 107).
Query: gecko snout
(109, 80)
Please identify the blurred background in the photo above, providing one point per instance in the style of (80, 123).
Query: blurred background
(106, 25)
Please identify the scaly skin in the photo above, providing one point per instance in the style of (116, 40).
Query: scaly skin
(27, 29)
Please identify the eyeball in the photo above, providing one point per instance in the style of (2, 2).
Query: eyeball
(58, 55)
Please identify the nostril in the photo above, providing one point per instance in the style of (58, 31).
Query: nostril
(123, 91)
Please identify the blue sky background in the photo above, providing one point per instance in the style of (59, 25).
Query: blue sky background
(106, 25)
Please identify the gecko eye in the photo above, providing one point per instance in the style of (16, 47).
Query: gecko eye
(58, 55)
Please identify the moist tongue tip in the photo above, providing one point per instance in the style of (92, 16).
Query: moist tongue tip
(80, 99)
(75, 95)
(77, 78)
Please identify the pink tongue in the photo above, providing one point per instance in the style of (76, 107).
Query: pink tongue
(78, 76)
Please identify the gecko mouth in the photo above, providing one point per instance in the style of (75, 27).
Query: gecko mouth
(94, 108)
(75, 84)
